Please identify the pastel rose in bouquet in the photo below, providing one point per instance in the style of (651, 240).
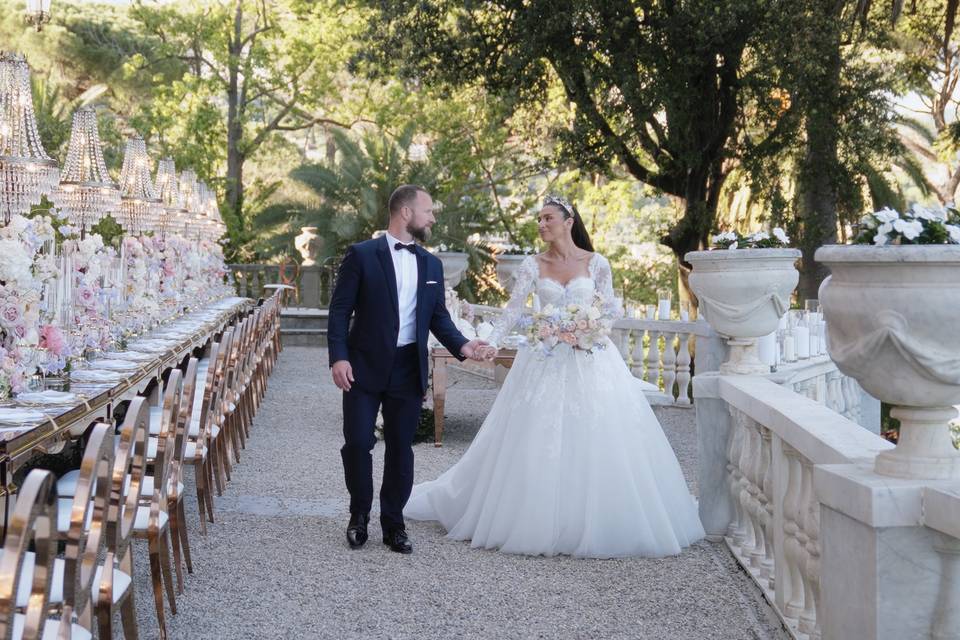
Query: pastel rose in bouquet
(582, 327)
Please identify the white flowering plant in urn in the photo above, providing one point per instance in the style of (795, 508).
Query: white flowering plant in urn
(776, 238)
(917, 225)
(743, 286)
(889, 302)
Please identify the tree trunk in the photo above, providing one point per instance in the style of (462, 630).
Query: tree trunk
(692, 232)
(235, 157)
(819, 170)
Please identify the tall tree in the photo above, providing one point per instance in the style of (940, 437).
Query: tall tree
(655, 86)
(271, 66)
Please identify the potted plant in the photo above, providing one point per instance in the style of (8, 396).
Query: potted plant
(891, 303)
(744, 286)
(454, 261)
(508, 261)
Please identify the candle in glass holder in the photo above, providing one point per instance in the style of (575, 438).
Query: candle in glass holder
(802, 334)
(663, 304)
(651, 312)
(685, 310)
(767, 349)
(789, 347)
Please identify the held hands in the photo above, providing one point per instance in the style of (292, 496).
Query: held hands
(479, 350)
(342, 374)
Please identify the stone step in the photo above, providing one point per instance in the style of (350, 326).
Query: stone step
(303, 337)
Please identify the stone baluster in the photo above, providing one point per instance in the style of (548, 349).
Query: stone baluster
(653, 359)
(748, 542)
(737, 528)
(810, 569)
(636, 363)
(835, 399)
(792, 547)
(242, 283)
(766, 500)
(946, 614)
(255, 284)
(851, 394)
(683, 370)
(622, 340)
(754, 492)
(669, 363)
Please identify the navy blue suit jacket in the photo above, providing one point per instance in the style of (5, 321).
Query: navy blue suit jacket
(367, 290)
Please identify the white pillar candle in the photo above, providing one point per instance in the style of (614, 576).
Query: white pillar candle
(684, 315)
(814, 342)
(802, 334)
(664, 309)
(767, 349)
(651, 311)
(789, 348)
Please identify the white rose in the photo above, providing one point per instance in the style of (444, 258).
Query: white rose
(594, 313)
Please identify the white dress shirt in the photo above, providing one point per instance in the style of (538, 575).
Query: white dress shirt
(407, 273)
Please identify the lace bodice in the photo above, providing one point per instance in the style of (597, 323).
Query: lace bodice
(579, 290)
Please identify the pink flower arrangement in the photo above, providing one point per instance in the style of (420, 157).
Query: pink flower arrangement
(52, 339)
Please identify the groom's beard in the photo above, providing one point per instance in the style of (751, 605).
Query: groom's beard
(420, 233)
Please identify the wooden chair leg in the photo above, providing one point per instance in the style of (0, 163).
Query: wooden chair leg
(200, 479)
(209, 493)
(128, 618)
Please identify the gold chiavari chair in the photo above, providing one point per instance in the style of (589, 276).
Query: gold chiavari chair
(153, 518)
(33, 523)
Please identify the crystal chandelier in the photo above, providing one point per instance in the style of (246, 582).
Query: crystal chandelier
(170, 198)
(86, 192)
(140, 208)
(26, 171)
(38, 13)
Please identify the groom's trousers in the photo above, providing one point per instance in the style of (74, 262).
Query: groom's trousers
(401, 403)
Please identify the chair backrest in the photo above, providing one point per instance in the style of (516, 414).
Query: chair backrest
(182, 431)
(34, 521)
(169, 417)
(86, 537)
(211, 411)
(131, 460)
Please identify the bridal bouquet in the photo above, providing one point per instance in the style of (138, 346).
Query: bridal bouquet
(582, 327)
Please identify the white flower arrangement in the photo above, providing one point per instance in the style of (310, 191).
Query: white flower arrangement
(917, 225)
(773, 239)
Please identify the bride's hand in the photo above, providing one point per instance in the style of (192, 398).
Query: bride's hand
(474, 350)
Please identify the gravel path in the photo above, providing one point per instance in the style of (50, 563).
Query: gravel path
(276, 564)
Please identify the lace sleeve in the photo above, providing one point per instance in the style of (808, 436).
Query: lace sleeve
(524, 284)
(603, 281)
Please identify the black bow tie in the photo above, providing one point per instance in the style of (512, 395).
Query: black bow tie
(412, 248)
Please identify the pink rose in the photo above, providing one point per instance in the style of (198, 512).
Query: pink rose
(582, 325)
(51, 339)
(85, 295)
(568, 338)
(10, 313)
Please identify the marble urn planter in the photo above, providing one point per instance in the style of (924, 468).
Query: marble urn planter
(454, 266)
(507, 265)
(742, 294)
(891, 315)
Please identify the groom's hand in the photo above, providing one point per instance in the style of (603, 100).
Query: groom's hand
(342, 374)
(475, 350)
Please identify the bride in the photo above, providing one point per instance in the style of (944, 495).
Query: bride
(571, 458)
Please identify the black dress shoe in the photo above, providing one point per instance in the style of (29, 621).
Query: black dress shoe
(357, 530)
(398, 541)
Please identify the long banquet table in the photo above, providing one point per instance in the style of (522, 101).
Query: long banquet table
(96, 400)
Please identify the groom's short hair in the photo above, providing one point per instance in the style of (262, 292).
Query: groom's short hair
(404, 196)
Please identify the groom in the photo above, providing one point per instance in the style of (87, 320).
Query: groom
(394, 291)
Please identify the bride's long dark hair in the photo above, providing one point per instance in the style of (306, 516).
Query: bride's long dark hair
(579, 230)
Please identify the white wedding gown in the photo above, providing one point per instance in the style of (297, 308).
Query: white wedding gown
(571, 458)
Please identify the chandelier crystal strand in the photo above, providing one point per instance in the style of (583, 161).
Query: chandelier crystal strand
(26, 171)
(169, 191)
(86, 192)
(190, 192)
(140, 207)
